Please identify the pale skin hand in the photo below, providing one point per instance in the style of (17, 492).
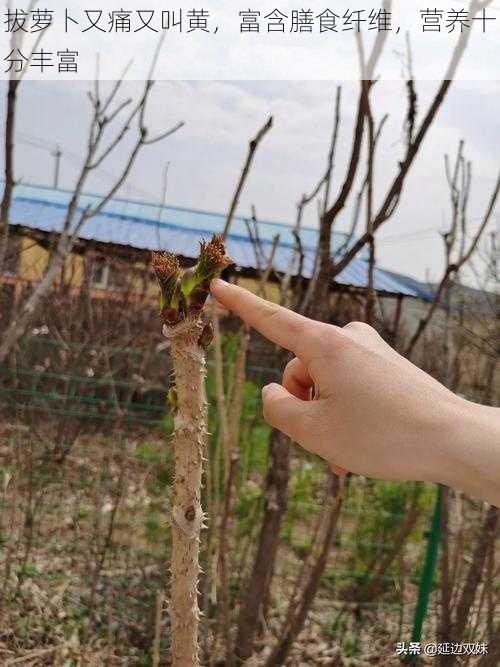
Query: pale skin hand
(374, 413)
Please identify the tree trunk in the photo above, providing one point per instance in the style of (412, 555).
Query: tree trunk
(31, 306)
(276, 496)
(492, 658)
(384, 562)
(10, 120)
(457, 628)
(298, 619)
(187, 515)
(486, 537)
(234, 419)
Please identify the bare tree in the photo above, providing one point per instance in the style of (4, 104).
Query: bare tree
(457, 252)
(414, 142)
(232, 430)
(252, 148)
(301, 606)
(15, 78)
(108, 114)
(315, 302)
(486, 538)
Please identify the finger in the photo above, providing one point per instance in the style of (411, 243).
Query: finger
(286, 412)
(279, 325)
(293, 417)
(296, 379)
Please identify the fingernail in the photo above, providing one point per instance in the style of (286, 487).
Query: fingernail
(216, 283)
(269, 387)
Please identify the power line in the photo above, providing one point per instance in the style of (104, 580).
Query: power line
(424, 233)
(408, 236)
(35, 142)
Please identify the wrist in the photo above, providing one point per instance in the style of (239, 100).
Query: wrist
(470, 458)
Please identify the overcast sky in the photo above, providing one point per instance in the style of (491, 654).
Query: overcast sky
(207, 154)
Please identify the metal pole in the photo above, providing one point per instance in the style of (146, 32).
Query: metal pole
(57, 154)
(494, 251)
(427, 572)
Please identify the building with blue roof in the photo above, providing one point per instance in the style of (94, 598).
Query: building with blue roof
(141, 226)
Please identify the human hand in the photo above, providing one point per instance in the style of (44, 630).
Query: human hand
(374, 413)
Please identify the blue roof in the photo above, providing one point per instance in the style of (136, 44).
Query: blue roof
(149, 226)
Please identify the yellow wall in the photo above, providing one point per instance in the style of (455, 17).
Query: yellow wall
(33, 261)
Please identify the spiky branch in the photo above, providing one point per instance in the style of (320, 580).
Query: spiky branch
(182, 297)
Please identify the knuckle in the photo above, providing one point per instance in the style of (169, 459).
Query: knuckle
(355, 324)
(287, 376)
(359, 327)
(267, 310)
(322, 336)
(291, 368)
(268, 407)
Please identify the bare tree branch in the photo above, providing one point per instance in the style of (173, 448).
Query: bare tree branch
(73, 222)
(15, 79)
(252, 147)
(453, 267)
(164, 135)
(391, 200)
(299, 615)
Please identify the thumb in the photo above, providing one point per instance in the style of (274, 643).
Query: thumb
(295, 418)
(285, 411)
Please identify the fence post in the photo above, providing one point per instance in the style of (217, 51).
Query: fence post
(427, 576)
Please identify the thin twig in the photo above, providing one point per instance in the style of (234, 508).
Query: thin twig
(252, 147)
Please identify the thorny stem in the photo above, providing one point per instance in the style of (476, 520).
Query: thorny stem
(183, 295)
(187, 515)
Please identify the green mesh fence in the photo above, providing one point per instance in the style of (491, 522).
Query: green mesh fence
(372, 512)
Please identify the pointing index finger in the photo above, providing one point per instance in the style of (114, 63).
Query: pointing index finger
(277, 324)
